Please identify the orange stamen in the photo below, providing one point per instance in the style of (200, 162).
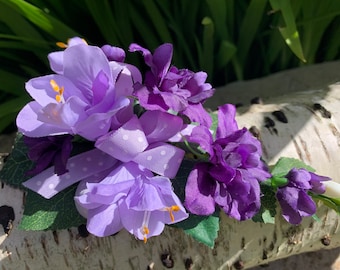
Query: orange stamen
(61, 45)
(145, 232)
(171, 209)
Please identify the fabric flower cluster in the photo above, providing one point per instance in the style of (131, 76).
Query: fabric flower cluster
(124, 181)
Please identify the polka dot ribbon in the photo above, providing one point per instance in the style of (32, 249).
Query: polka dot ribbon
(82, 166)
(129, 143)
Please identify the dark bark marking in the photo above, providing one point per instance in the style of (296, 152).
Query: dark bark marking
(167, 260)
(324, 112)
(305, 149)
(280, 116)
(298, 150)
(326, 240)
(188, 264)
(7, 217)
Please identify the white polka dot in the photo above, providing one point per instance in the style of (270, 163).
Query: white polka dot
(38, 183)
(72, 165)
(51, 186)
(140, 139)
(149, 158)
(100, 163)
(166, 166)
(89, 159)
(84, 169)
(163, 152)
(179, 161)
(125, 137)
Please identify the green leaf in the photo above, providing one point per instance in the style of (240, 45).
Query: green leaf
(14, 171)
(333, 203)
(268, 206)
(202, 228)
(284, 165)
(289, 32)
(56, 213)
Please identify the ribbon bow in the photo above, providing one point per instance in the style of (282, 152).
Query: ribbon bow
(141, 140)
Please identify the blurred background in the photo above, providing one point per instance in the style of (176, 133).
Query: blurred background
(232, 40)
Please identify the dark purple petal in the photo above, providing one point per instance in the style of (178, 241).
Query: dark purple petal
(299, 178)
(199, 191)
(48, 151)
(161, 60)
(197, 113)
(316, 182)
(226, 121)
(202, 136)
(295, 204)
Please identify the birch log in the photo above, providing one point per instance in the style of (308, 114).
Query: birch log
(311, 134)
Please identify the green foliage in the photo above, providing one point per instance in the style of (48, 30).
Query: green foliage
(229, 39)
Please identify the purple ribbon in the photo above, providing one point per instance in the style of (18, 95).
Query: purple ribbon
(84, 165)
(129, 143)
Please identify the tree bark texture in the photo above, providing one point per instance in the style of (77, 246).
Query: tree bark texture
(311, 133)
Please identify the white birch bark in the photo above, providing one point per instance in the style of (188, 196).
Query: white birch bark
(309, 135)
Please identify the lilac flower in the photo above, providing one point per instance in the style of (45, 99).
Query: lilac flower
(49, 150)
(169, 88)
(231, 177)
(129, 197)
(82, 98)
(294, 199)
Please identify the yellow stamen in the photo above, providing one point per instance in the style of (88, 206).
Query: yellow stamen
(171, 209)
(58, 98)
(54, 85)
(61, 45)
(145, 232)
(58, 89)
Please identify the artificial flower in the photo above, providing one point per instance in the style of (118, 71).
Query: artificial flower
(129, 197)
(294, 199)
(82, 99)
(169, 88)
(47, 151)
(231, 177)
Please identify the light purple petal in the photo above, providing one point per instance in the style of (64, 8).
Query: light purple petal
(104, 220)
(56, 60)
(29, 125)
(114, 53)
(82, 63)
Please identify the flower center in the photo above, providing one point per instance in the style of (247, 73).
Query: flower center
(60, 90)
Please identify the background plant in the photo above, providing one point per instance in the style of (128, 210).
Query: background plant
(229, 39)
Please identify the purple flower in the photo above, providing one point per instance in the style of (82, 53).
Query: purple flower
(231, 177)
(82, 98)
(294, 199)
(46, 151)
(169, 88)
(129, 197)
